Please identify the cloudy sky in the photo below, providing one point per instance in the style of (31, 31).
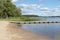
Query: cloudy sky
(39, 7)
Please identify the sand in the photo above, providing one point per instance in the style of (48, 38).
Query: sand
(3, 30)
(11, 31)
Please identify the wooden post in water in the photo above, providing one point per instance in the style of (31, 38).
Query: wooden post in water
(34, 22)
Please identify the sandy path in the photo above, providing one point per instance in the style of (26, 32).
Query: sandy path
(13, 32)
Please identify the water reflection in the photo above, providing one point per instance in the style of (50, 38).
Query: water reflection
(47, 30)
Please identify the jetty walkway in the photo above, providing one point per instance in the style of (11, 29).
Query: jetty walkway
(35, 22)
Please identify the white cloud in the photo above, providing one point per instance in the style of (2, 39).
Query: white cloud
(29, 8)
(52, 12)
(14, 0)
(39, 10)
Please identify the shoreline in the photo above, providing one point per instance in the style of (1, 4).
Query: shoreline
(11, 31)
(21, 34)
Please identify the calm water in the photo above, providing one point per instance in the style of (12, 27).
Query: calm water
(51, 30)
(50, 18)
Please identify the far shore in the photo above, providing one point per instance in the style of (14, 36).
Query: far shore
(13, 32)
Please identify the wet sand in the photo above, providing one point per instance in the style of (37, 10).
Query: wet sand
(11, 31)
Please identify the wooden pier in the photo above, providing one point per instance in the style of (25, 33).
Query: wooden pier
(34, 22)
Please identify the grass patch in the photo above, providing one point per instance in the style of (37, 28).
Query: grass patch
(20, 19)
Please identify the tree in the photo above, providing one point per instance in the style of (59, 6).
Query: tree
(8, 9)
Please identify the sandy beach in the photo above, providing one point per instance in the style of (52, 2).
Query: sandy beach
(11, 31)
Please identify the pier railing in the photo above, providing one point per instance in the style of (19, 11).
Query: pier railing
(34, 22)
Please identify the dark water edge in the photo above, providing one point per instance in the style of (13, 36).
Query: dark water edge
(48, 30)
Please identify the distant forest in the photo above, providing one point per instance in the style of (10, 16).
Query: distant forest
(30, 15)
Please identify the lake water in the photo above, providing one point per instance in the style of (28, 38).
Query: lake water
(51, 30)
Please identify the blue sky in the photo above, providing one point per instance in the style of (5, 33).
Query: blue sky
(39, 7)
